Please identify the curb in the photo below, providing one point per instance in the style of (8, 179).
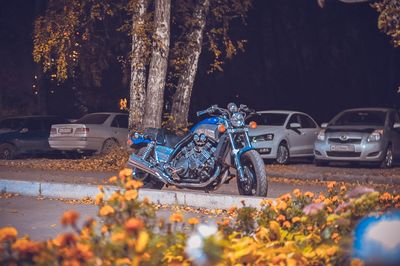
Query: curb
(69, 191)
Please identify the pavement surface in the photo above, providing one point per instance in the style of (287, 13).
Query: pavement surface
(40, 217)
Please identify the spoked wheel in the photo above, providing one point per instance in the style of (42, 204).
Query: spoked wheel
(282, 156)
(388, 160)
(146, 178)
(7, 151)
(255, 181)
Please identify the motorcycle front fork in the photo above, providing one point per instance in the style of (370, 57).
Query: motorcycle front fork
(237, 153)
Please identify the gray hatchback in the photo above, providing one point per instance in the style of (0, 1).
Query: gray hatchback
(360, 135)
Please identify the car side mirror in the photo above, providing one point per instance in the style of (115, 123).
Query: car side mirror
(24, 130)
(396, 125)
(295, 125)
(324, 125)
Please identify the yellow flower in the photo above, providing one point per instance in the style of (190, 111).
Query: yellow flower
(296, 219)
(282, 205)
(133, 184)
(285, 197)
(106, 210)
(123, 261)
(8, 233)
(134, 224)
(309, 194)
(69, 218)
(266, 202)
(142, 241)
(118, 237)
(113, 179)
(126, 172)
(193, 221)
(296, 192)
(99, 198)
(176, 217)
(131, 195)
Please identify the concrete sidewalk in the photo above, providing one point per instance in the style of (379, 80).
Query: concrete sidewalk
(80, 191)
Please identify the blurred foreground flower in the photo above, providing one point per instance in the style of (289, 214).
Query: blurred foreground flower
(313, 208)
(195, 245)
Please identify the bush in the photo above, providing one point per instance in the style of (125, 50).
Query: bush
(297, 229)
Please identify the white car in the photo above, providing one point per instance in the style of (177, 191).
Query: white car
(281, 135)
(96, 132)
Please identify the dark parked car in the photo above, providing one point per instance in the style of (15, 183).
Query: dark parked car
(26, 135)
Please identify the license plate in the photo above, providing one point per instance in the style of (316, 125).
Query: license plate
(342, 148)
(64, 130)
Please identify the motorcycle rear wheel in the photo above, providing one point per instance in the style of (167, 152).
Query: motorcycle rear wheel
(146, 178)
(256, 183)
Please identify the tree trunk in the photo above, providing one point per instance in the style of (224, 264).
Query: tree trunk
(158, 65)
(181, 100)
(138, 68)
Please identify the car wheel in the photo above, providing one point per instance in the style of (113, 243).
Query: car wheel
(388, 160)
(282, 156)
(321, 163)
(7, 151)
(108, 145)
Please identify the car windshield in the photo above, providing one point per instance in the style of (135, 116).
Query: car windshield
(93, 119)
(360, 118)
(269, 119)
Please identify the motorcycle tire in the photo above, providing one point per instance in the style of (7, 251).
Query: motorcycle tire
(255, 173)
(146, 178)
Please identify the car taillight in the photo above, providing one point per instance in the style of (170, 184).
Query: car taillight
(53, 131)
(81, 130)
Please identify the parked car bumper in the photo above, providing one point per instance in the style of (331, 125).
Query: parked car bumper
(362, 152)
(265, 148)
(76, 143)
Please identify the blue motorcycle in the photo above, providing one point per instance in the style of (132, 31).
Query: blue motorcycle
(211, 154)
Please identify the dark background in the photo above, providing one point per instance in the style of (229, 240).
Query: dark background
(298, 57)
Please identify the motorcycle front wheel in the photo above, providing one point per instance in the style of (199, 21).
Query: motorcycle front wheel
(255, 181)
(146, 178)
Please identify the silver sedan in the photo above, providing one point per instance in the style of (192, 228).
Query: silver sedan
(96, 132)
(282, 135)
(360, 135)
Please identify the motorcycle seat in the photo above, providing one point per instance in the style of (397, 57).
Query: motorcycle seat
(163, 137)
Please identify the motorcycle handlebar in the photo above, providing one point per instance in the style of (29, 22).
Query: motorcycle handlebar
(200, 113)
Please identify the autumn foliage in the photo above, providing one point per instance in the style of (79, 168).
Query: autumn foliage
(296, 229)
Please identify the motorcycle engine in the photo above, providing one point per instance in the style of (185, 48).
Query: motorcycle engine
(196, 161)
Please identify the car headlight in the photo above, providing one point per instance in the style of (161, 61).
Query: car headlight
(237, 119)
(321, 135)
(266, 137)
(375, 136)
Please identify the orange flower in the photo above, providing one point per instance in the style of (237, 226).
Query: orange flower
(266, 202)
(65, 239)
(327, 201)
(286, 224)
(113, 180)
(356, 262)
(343, 188)
(131, 194)
(26, 246)
(104, 229)
(295, 219)
(331, 185)
(146, 200)
(309, 228)
(285, 197)
(385, 197)
(296, 192)
(84, 250)
(232, 210)
(134, 224)
(126, 172)
(282, 205)
(99, 198)
(106, 210)
(335, 198)
(193, 221)
(281, 218)
(123, 261)
(8, 233)
(101, 188)
(224, 222)
(176, 217)
(309, 194)
(69, 218)
(335, 236)
(118, 237)
(133, 184)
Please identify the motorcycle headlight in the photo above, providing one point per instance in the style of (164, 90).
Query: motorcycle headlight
(321, 135)
(266, 137)
(237, 120)
(375, 136)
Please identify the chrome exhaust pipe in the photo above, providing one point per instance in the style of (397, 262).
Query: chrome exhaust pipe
(137, 162)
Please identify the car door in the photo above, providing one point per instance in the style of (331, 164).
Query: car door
(31, 135)
(309, 131)
(295, 136)
(394, 135)
(120, 128)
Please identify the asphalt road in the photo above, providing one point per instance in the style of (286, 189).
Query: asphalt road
(40, 218)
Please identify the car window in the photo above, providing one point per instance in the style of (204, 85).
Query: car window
(268, 119)
(48, 122)
(33, 124)
(12, 123)
(307, 122)
(120, 121)
(295, 118)
(93, 119)
(360, 118)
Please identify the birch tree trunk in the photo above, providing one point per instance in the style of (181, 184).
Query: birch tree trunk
(158, 65)
(137, 91)
(181, 100)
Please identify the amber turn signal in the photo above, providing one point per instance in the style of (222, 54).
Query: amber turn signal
(252, 124)
(221, 128)
(129, 142)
